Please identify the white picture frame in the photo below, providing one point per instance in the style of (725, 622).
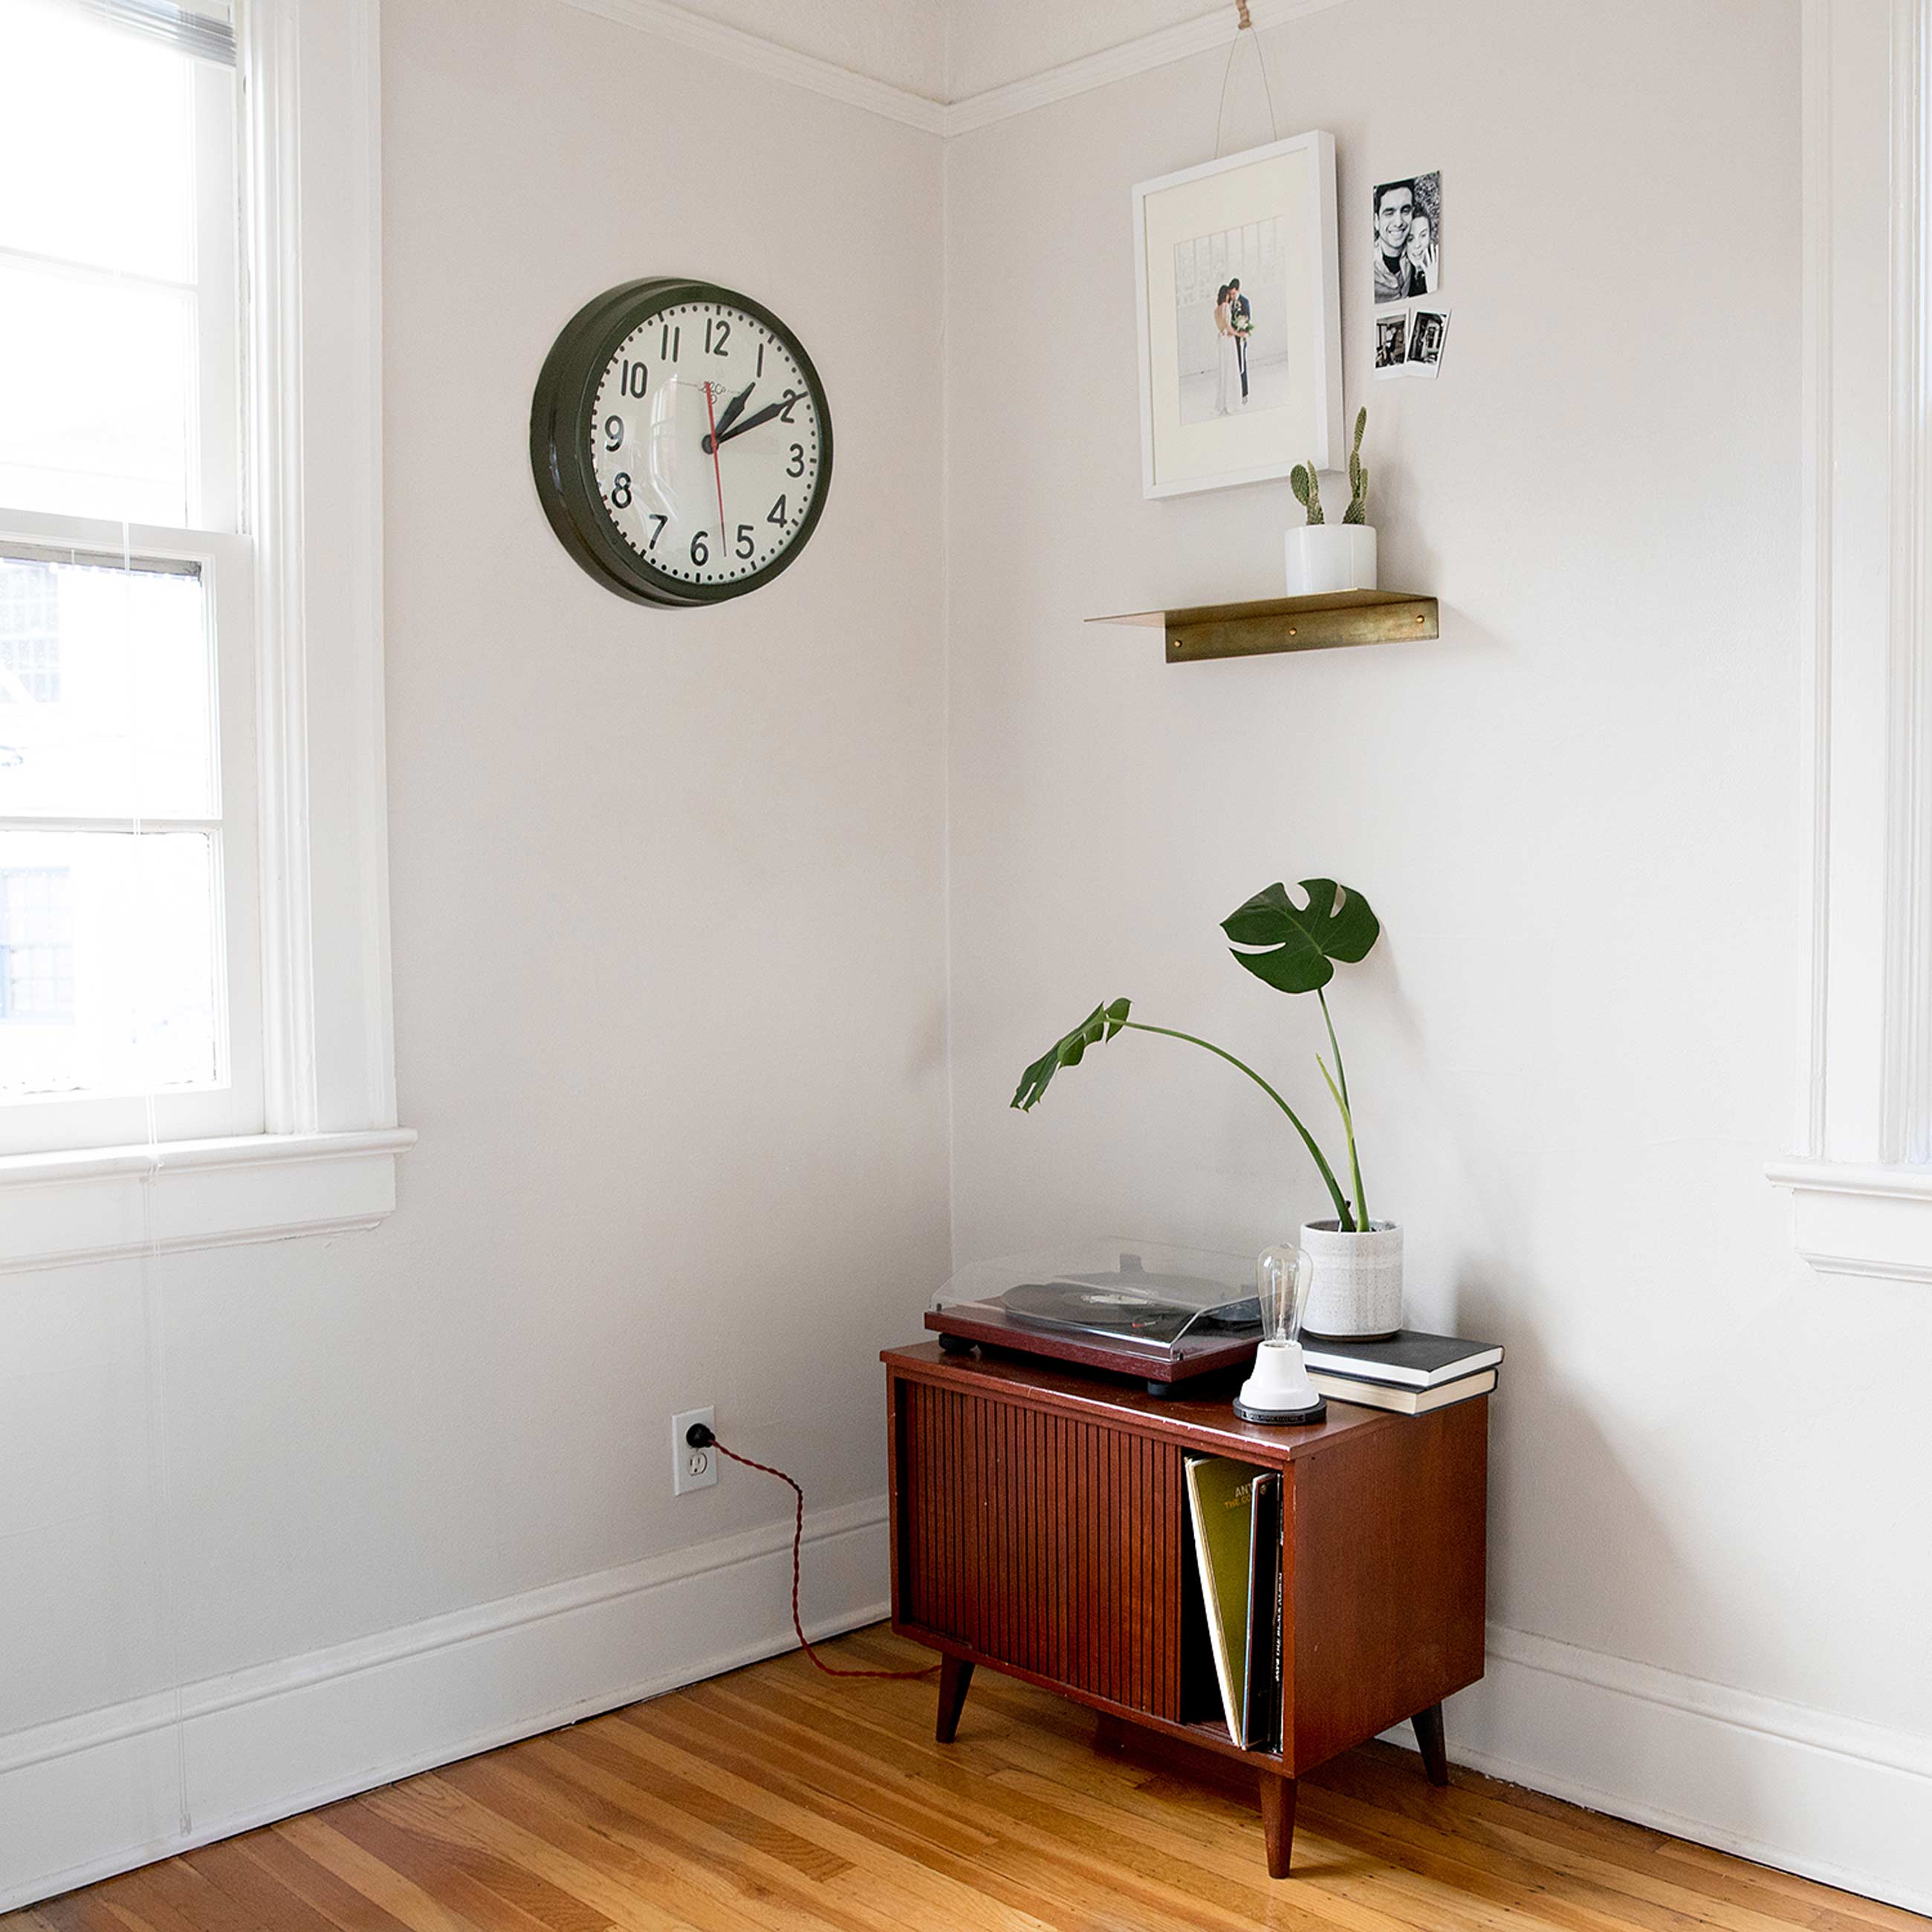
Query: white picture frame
(1275, 207)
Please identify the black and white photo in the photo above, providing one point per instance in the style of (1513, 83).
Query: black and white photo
(1391, 343)
(1230, 324)
(1408, 253)
(1237, 264)
(1428, 330)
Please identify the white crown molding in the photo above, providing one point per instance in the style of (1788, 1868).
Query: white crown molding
(88, 1796)
(767, 57)
(1159, 48)
(943, 119)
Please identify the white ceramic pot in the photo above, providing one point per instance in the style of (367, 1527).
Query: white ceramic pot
(1357, 1290)
(1322, 557)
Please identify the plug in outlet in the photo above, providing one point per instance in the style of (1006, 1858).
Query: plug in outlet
(692, 1468)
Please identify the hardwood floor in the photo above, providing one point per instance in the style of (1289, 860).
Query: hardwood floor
(777, 1798)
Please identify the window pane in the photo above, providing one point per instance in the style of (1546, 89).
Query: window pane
(97, 143)
(97, 394)
(108, 976)
(106, 709)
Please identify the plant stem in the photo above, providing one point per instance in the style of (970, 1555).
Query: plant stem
(1341, 1213)
(1348, 1115)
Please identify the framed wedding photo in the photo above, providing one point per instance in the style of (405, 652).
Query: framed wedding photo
(1240, 319)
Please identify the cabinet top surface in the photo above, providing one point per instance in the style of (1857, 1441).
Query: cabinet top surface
(1206, 1422)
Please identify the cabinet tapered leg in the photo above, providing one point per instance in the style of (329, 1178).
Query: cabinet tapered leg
(1428, 1734)
(954, 1676)
(1277, 1821)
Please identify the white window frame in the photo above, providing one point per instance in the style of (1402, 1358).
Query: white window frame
(1862, 1187)
(326, 1160)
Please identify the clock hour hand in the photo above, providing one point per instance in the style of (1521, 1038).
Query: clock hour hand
(731, 415)
(762, 416)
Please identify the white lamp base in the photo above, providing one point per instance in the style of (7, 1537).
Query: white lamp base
(1278, 1391)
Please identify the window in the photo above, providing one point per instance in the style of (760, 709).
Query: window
(190, 628)
(29, 640)
(37, 950)
(127, 653)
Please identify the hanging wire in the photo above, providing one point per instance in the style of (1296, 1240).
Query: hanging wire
(1244, 24)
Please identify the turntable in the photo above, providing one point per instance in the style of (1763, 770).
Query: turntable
(1163, 1315)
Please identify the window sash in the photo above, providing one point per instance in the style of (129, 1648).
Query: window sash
(233, 1103)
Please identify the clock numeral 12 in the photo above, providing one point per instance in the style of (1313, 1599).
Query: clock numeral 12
(724, 329)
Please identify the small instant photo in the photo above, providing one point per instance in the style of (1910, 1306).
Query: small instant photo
(1428, 330)
(1391, 345)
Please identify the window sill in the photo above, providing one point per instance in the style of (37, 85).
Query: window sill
(106, 1203)
(1858, 1220)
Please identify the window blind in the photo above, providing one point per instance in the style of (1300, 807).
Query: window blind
(206, 30)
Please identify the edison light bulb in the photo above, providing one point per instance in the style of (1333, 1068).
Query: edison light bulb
(1278, 1390)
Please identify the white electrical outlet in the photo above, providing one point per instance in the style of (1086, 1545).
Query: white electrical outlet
(692, 1468)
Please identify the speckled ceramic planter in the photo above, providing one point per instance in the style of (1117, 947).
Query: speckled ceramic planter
(1357, 1290)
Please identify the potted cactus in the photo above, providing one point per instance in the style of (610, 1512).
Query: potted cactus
(1323, 556)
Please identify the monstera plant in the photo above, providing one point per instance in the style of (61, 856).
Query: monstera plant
(1293, 948)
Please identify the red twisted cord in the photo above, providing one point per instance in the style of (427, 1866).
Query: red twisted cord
(797, 1540)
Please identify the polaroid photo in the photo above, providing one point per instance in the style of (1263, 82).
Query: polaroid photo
(1408, 253)
(1391, 345)
(1428, 330)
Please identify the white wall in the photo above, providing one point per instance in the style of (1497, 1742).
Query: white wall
(669, 969)
(1575, 813)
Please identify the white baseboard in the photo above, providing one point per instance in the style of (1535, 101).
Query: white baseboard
(86, 1797)
(1846, 1803)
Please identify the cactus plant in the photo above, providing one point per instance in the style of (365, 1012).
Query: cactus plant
(1307, 487)
(1358, 512)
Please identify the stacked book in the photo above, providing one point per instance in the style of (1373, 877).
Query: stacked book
(1411, 1372)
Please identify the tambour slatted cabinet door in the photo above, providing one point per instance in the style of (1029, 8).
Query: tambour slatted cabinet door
(1040, 1525)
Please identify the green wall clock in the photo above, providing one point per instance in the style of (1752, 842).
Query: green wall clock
(681, 442)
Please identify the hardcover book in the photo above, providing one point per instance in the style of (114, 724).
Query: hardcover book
(1410, 1360)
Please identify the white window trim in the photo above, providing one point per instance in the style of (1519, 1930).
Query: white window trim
(1861, 1189)
(312, 183)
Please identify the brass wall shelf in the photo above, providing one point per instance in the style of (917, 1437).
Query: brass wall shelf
(1289, 624)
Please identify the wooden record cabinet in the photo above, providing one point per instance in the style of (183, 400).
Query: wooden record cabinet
(1039, 1526)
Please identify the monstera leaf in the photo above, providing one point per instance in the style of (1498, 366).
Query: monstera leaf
(1303, 942)
(1100, 1025)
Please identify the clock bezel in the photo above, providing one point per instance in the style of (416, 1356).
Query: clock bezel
(562, 458)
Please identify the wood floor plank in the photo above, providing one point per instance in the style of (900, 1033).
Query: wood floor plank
(1054, 1861)
(777, 1799)
(258, 1895)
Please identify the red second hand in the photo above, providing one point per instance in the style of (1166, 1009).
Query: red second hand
(724, 542)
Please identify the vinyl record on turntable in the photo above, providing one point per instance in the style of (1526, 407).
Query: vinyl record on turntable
(1125, 1311)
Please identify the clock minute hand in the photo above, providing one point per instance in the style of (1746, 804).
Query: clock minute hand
(756, 421)
(731, 415)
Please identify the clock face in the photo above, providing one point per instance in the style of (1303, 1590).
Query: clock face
(681, 442)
